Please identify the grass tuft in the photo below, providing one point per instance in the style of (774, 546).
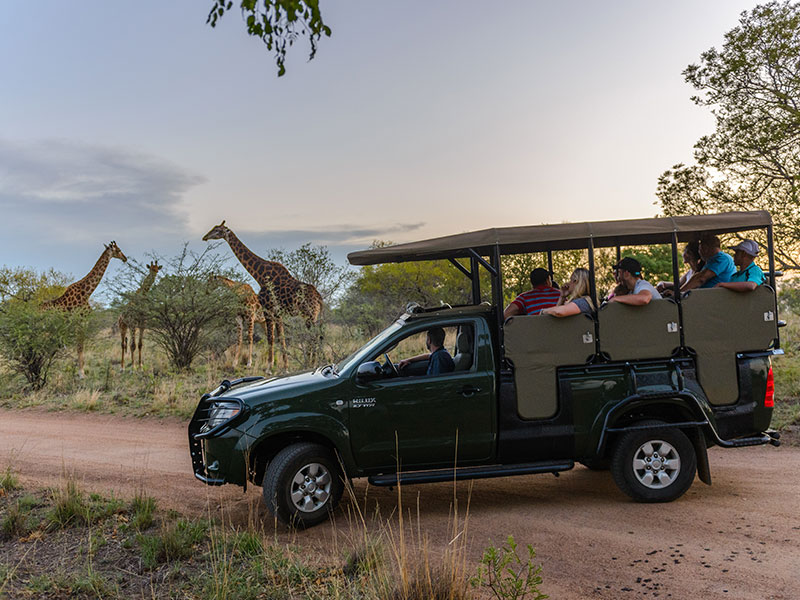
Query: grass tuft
(142, 510)
(176, 541)
(8, 480)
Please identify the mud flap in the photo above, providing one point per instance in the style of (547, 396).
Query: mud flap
(701, 452)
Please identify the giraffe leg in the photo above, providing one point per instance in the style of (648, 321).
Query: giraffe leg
(141, 335)
(123, 333)
(269, 328)
(251, 325)
(133, 345)
(240, 325)
(279, 333)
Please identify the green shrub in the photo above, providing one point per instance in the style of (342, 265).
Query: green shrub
(507, 575)
(32, 338)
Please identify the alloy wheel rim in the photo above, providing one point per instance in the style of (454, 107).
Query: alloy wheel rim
(311, 487)
(656, 464)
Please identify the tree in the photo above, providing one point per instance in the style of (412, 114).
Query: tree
(314, 264)
(31, 339)
(278, 23)
(187, 306)
(381, 293)
(752, 159)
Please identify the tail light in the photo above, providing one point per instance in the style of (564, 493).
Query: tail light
(769, 396)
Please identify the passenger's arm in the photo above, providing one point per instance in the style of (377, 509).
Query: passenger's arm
(565, 310)
(738, 286)
(639, 299)
(698, 279)
(512, 310)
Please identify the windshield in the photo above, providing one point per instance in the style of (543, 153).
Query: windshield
(366, 349)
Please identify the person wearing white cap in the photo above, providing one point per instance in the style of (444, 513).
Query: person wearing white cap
(749, 276)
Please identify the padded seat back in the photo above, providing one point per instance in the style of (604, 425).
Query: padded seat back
(718, 323)
(537, 346)
(463, 356)
(637, 332)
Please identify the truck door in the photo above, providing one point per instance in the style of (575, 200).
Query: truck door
(433, 420)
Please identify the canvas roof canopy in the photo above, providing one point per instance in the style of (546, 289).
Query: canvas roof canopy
(564, 236)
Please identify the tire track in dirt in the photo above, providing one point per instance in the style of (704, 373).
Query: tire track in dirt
(739, 538)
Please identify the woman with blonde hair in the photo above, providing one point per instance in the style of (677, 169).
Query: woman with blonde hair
(575, 297)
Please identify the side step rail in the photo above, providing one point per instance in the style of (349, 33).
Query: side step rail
(768, 437)
(462, 473)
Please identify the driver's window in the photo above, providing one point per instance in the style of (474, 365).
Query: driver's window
(411, 356)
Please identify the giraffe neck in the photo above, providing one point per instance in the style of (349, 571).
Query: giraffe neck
(89, 284)
(263, 271)
(148, 281)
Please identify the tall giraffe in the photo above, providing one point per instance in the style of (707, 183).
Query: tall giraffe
(280, 293)
(251, 312)
(126, 322)
(76, 296)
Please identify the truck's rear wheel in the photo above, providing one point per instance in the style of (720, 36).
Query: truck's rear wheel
(654, 465)
(302, 484)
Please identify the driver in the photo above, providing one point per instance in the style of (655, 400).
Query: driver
(439, 358)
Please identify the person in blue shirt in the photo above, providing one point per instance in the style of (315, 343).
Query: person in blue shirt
(719, 267)
(439, 359)
(749, 276)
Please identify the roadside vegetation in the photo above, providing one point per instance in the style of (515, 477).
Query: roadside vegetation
(65, 543)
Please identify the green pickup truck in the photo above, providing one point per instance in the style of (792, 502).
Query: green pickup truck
(640, 390)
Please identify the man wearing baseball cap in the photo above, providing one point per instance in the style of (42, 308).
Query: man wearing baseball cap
(541, 295)
(641, 292)
(749, 276)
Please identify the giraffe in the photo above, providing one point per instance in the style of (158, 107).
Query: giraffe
(126, 322)
(280, 293)
(76, 296)
(251, 312)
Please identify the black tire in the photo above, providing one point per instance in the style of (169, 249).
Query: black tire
(663, 484)
(307, 460)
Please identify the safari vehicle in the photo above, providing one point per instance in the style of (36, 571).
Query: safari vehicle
(642, 390)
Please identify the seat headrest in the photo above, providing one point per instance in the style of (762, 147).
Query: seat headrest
(464, 343)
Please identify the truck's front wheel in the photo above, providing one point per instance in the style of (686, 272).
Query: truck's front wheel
(654, 465)
(302, 484)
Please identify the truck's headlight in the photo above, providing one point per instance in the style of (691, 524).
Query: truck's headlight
(221, 412)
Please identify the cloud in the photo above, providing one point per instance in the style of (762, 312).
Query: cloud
(331, 235)
(83, 192)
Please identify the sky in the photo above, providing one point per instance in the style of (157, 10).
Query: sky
(137, 122)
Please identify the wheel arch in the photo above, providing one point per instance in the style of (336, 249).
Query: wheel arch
(681, 411)
(265, 449)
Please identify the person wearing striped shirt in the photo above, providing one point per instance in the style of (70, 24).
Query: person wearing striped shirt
(541, 295)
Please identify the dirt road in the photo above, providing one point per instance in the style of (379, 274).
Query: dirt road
(739, 538)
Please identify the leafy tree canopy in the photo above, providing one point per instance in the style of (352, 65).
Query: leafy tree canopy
(278, 23)
(752, 160)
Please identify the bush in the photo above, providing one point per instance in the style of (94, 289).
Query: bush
(32, 338)
(185, 308)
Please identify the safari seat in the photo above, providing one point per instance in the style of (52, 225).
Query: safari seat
(537, 346)
(718, 323)
(463, 356)
(637, 332)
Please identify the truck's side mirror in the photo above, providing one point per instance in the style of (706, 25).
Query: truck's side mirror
(369, 371)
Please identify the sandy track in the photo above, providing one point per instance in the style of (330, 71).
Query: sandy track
(739, 538)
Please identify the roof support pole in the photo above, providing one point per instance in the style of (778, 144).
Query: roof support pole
(619, 254)
(497, 296)
(476, 280)
(460, 267)
(771, 253)
(481, 260)
(550, 261)
(676, 284)
(593, 295)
